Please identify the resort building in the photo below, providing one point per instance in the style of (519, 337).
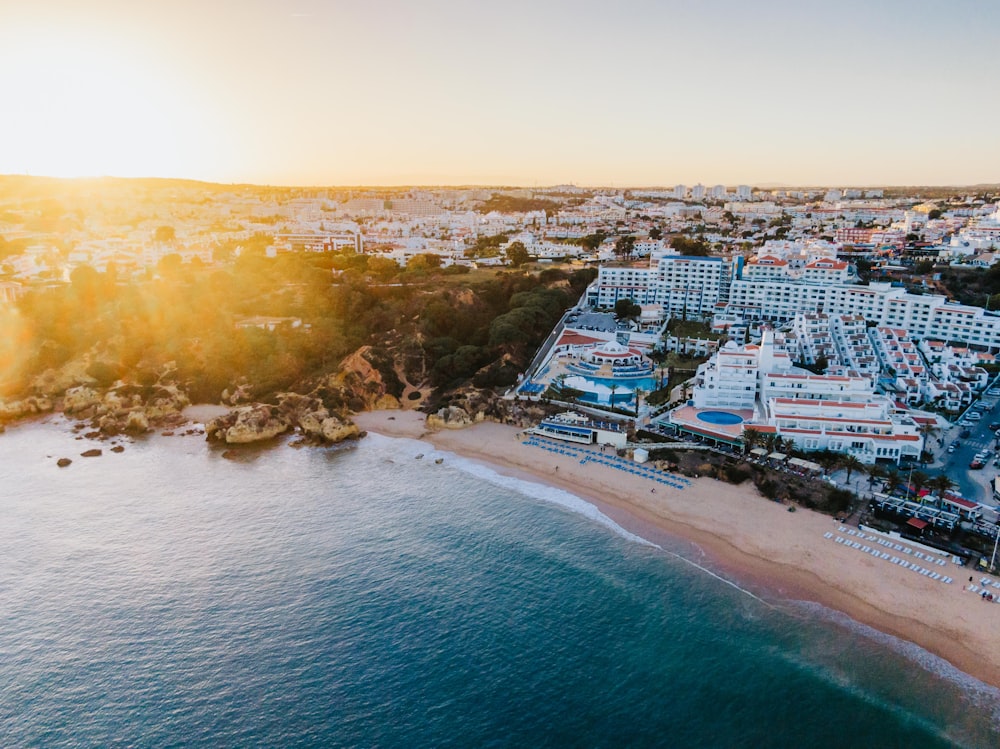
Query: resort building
(836, 411)
(921, 315)
(682, 285)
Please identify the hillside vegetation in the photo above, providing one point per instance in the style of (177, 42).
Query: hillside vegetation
(427, 329)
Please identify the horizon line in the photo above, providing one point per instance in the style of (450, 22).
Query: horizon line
(497, 185)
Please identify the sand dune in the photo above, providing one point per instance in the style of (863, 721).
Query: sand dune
(779, 554)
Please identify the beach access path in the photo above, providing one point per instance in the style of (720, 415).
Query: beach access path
(781, 556)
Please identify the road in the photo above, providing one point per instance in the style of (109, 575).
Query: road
(973, 484)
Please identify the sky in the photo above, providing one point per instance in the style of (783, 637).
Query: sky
(519, 92)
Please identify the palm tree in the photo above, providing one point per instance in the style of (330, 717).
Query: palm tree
(851, 463)
(614, 387)
(789, 447)
(928, 430)
(874, 471)
(892, 482)
(828, 459)
(638, 397)
(918, 480)
(751, 439)
(941, 484)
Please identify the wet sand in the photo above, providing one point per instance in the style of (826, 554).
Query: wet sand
(780, 555)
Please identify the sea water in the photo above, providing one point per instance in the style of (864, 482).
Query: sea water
(369, 595)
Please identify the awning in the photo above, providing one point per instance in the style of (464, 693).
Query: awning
(777, 456)
(759, 451)
(917, 523)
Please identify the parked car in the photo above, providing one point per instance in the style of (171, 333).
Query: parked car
(951, 448)
(964, 433)
(994, 426)
(974, 416)
(976, 465)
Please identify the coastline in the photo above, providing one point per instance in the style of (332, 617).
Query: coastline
(782, 556)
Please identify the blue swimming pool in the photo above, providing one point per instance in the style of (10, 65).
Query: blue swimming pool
(723, 418)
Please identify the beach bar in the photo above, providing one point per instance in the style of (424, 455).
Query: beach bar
(573, 427)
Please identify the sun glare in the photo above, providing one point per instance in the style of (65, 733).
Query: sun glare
(81, 108)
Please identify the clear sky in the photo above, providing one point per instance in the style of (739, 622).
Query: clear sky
(633, 92)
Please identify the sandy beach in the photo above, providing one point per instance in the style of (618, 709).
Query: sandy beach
(780, 555)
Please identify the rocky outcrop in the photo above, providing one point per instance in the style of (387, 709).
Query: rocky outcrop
(246, 424)
(23, 409)
(79, 399)
(452, 417)
(258, 422)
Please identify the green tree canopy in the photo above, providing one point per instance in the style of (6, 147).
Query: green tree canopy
(517, 254)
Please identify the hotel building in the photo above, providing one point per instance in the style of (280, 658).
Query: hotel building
(838, 412)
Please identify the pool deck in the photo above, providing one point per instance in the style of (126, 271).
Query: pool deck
(686, 417)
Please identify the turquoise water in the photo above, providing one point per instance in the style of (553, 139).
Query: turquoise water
(720, 417)
(363, 597)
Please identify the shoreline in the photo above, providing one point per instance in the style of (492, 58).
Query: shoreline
(779, 555)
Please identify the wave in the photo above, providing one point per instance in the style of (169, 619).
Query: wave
(545, 493)
(983, 697)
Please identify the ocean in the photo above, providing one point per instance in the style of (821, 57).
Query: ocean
(370, 596)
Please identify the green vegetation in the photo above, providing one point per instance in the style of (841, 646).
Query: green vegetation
(487, 246)
(691, 329)
(510, 204)
(479, 327)
(517, 254)
(974, 286)
(688, 246)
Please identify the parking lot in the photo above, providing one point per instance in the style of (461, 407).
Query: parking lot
(968, 455)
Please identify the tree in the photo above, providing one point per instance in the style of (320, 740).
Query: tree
(941, 484)
(751, 439)
(918, 480)
(164, 234)
(425, 261)
(593, 241)
(892, 482)
(626, 309)
(656, 233)
(517, 254)
(625, 246)
(874, 471)
(382, 267)
(851, 463)
(686, 246)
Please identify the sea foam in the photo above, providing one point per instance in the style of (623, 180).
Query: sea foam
(410, 449)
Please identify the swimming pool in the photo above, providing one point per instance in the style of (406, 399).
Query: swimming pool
(599, 389)
(722, 418)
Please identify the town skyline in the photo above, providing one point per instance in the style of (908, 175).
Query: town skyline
(347, 93)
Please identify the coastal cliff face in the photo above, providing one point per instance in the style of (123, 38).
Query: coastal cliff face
(123, 408)
(473, 406)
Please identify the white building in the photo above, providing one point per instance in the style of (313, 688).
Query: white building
(838, 412)
(682, 284)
